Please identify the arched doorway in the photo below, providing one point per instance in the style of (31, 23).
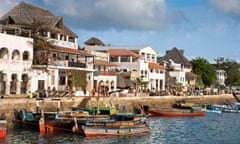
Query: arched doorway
(24, 84)
(13, 84)
(3, 83)
(100, 88)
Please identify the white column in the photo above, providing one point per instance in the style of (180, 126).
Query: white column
(48, 34)
(58, 36)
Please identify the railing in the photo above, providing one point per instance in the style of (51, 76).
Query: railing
(77, 64)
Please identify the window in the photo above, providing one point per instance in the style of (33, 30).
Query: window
(25, 55)
(15, 55)
(125, 59)
(62, 80)
(113, 59)
(71, 39)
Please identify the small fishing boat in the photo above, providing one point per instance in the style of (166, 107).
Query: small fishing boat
(175, 112)
(213, 108)
(121, 124)
(3, 126)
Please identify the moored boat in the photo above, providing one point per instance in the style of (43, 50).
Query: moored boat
(3, 127)
(213, 108)
(171, 112)
(119, 125)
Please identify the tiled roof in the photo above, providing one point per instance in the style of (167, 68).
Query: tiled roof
(72, 51)
(103, 62)
(24, 14)
(155, 66)
(108, 73)
(131, 48)
(190, 74)
(122, 52)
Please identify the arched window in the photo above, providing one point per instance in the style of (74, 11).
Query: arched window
(25, 55)
(15, 55)
(3, 53)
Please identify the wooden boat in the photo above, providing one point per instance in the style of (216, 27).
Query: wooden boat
(49, 122)
(3, 127)
(213, 108)
(97, 110)
(173, 112)
(120, 125)
(187, 103)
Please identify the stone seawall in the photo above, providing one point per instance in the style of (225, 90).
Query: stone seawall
(8, 104)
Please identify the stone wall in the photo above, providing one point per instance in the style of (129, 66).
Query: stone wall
(126, 104)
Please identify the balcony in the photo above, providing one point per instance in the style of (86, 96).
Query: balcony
(65, 63)
(77, 64)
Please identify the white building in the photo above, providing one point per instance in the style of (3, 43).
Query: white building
(178, 68)
(220, 77)
(140, 61)
(16, 55)
(53, 64)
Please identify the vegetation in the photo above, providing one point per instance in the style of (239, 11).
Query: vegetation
(231, 69)
(78, 79)
(40, 45)
(205, 71)
(140, 83)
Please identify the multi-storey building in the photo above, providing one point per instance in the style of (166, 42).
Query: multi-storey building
(178, 68)
(16, 55)
(140, 61)
(55, 48)
(105, 75)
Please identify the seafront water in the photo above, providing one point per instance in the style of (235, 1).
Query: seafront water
(210, 129)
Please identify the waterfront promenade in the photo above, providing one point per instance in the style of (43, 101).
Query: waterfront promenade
(9, 103)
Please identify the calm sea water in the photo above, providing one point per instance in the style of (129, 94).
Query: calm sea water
(211, 129)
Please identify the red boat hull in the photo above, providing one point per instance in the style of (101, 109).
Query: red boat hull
(3, 129)
(175, 113)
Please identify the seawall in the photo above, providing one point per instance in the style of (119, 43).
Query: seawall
(8, 104)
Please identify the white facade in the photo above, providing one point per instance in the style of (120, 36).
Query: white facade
(137, 62)
(221, 77)
(179, 72)
(16, 55)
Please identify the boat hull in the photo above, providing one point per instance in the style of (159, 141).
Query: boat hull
(3, 129)
(90, 131)
(175, 113)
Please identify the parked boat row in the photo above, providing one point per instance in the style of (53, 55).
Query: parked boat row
(84, 122)
(107, 121)
(233, 107)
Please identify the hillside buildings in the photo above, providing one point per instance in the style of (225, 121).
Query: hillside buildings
(39, 52)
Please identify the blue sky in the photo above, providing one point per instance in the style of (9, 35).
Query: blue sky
(202, 28)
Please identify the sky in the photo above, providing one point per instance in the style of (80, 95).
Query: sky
(202, 28)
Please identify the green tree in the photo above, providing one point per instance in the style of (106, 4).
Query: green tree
(231, 68)
(205, 71)
(79, 78)
(140, 83)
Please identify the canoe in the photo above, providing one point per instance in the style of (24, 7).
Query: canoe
(175, 112)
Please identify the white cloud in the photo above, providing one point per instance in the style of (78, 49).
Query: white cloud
(227, 6)
(6, 5)
(119, 14)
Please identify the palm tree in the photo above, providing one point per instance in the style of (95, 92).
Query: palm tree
(140, 83)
